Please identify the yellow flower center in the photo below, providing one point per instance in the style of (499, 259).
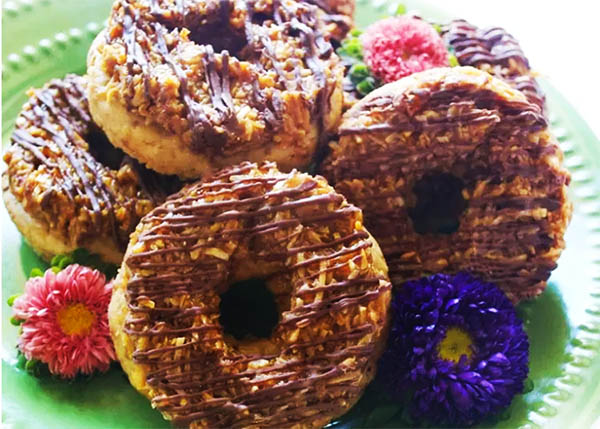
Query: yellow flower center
(455, 344)
(75, 319)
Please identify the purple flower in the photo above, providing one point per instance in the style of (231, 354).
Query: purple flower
(456, 347)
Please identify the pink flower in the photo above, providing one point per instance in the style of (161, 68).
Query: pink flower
(66, 321)
(400, 46)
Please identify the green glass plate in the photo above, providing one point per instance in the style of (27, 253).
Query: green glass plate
(43, 39)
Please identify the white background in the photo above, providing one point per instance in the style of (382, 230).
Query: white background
(560, 38)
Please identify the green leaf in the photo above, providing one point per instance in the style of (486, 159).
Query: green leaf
(356, 32)
(358, 72)
(351, 47)
(576, 342)
(437, 28)
(16, 321)
(35, 367)
(504, 415)
(61, 262)
(56, 260)
(528, 385)
(80, 255)
(65, 261)
(382, 414)
(21, 360)
(453, 61)
(11, 299)
(406, 417)
(366, 86)
(401, 9)
(36, 272)
(110, 270)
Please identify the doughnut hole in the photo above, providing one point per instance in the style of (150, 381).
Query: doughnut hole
(248, 310)
(220, 36)
(212, 28)
(252, 302)
(439, 204)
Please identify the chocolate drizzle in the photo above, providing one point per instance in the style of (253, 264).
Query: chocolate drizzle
(337, 12)
(214, 126)
(496, 51)
(218, 85)
(496, 145)
(323, 4)
(55, 130)
(191, 247)
(457, 107)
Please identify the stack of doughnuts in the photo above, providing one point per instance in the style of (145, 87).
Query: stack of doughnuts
(167, 94)
(180, 156)
(184, 89)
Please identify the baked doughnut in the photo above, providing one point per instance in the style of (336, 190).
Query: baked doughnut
(329, 285)
(191, 87)
(493, 50)
(456, 171)
(339, 16)
(65, 186)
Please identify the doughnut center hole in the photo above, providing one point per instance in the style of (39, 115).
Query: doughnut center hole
(207, 25)
(220, 37)
(248, 310)
(439, 204)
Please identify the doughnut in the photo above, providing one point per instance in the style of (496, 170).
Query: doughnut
(338, 17)
(326, 277)
(493, 50)
(65, 186)
(188, 88)
(455, 171)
